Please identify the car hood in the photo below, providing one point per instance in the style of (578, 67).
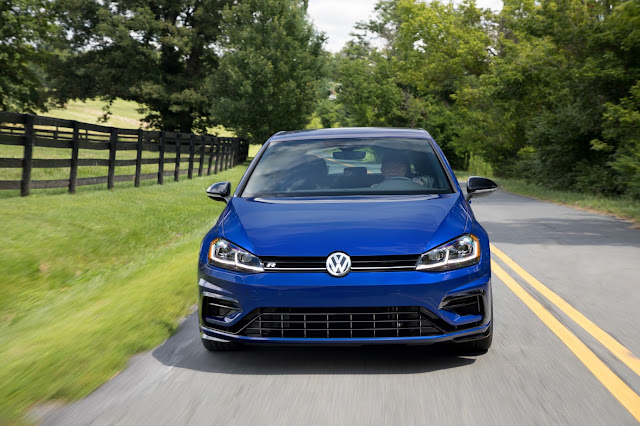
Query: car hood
(357, 226)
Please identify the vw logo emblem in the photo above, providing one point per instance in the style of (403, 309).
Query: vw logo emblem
(338, 264)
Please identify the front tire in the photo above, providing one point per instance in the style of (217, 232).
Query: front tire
(213, 346)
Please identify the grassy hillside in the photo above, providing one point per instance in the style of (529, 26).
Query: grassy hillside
(90, 279)
(124, 115)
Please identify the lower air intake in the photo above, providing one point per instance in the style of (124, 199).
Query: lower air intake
(327, 323)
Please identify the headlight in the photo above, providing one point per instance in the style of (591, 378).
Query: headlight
(458, 253)
(227, 255)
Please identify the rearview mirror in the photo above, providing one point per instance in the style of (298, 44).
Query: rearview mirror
(349, 155)
(479, 187)
(220, 191)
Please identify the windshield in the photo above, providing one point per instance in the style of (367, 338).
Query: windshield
(337, 167)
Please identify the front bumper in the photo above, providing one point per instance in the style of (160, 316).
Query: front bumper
(251, 293)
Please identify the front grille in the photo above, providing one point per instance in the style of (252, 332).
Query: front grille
(326, 323)
(358, 263)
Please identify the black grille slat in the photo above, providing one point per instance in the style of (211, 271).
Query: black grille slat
(340, 323)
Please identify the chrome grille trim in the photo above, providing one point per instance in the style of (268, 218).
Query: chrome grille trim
(358, 263)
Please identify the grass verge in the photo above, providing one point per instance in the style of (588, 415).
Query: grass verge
(90, 279)
(624, 208)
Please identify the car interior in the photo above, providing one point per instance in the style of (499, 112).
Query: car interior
(299, 170)
(314, 173)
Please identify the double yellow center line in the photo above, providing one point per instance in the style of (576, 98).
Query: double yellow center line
(618, 388)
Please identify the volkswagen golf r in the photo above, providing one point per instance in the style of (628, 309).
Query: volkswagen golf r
(347, 236)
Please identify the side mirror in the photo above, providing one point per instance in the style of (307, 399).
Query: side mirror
(220, 191)
(479, 187)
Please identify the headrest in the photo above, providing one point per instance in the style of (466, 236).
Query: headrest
(355, 171)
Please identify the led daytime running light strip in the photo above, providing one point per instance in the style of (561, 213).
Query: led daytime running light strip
(473, 255)
(235, 262)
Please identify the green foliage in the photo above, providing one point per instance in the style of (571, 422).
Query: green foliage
(25, 30)
(542, 90)
(271, 65)
(330, 113)
(368, 88)
(156, 53)
(622, 127)
(432, 50)
(478, 166)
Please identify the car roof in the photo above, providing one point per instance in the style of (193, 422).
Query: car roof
(350, 132)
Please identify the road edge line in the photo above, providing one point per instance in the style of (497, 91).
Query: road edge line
(618, 388)
(612, 345)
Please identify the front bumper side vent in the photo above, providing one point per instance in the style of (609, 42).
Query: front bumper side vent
(463, 305)
(218, 308)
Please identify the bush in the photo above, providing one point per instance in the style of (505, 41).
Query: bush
(478, 166)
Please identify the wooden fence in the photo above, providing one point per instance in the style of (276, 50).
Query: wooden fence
(204, 153)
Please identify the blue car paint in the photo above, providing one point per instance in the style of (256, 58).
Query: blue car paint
(359, 226)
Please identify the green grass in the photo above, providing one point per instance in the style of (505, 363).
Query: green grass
(124, 114)
(624, 208)
(90, 279)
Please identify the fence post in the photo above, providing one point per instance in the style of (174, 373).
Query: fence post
(192, 150)
(176, 173)
(201, 164)
(138, 160)
(112, 157)
(223, 154)
(161, 159)
(217, 144)
(211, 148)
(75, 147)
(25, 185)
(233, 152)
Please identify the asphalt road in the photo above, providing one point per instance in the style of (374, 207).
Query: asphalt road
(529, 376)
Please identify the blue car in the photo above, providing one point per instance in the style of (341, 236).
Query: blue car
(350, 236)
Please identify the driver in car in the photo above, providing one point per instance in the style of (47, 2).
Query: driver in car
(396, 167)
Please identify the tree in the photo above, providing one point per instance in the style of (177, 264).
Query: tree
(158, 53)
(368, 87)
(26, 28)
(432, 51)
(271, 65)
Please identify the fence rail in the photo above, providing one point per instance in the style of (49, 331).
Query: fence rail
(203, 153)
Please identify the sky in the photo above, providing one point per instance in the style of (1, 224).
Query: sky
(336, 18)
